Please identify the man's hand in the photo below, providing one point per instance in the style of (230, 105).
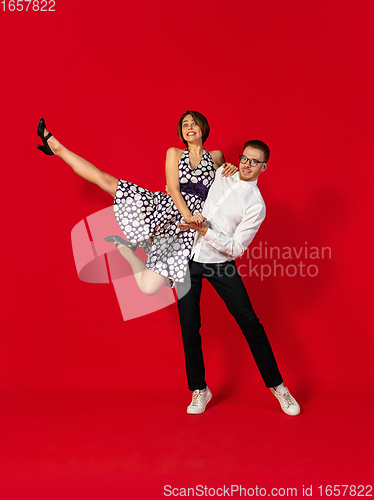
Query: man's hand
(228, 169)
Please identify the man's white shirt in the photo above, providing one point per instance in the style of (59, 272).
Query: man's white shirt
(234, 210)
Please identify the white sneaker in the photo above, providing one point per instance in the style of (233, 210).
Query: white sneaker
(287, 402)
(199, 401)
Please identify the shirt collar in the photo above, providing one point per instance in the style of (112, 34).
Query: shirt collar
(244, 184)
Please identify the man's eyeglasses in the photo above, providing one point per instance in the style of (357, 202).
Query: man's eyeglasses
(252, 161)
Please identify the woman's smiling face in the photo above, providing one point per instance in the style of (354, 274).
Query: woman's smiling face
(190, 130)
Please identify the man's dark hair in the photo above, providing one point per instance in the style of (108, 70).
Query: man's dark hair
(255, 143)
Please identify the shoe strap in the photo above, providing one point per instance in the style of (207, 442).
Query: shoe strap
(47, 136)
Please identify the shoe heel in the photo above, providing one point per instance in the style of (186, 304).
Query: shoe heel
(40, 132)
(117, 240)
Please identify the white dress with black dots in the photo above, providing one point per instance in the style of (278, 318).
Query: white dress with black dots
(150, 220)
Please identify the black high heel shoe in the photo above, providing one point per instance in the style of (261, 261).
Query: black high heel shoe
(40, 131)
(117, 240)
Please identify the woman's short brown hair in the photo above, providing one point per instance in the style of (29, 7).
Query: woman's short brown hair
(200, 120)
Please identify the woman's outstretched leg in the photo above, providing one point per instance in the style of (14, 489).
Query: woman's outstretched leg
(148, 281)
(82, 167)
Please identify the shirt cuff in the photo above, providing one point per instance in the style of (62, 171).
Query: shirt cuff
(210, 236)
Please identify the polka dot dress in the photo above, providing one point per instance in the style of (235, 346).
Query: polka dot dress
(150, 220)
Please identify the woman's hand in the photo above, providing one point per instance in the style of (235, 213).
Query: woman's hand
(229, 169)
(197, 217)
(197, 220)
(187, 224)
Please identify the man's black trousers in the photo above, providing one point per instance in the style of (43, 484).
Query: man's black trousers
(227, 282)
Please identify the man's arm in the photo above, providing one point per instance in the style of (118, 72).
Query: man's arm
(235, 245)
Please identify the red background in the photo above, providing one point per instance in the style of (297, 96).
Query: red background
(92, 406)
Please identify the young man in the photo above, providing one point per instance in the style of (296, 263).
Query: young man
(234, 211)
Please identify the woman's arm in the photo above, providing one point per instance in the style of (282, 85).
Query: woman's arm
(219, 160)
(217, 157)
(173, 156)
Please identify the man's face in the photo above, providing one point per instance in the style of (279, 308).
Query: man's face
(246, 171)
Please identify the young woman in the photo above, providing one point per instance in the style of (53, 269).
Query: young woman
(150, 220)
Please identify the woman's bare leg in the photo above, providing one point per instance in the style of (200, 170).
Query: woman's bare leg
(82, 167)
(148, 281)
